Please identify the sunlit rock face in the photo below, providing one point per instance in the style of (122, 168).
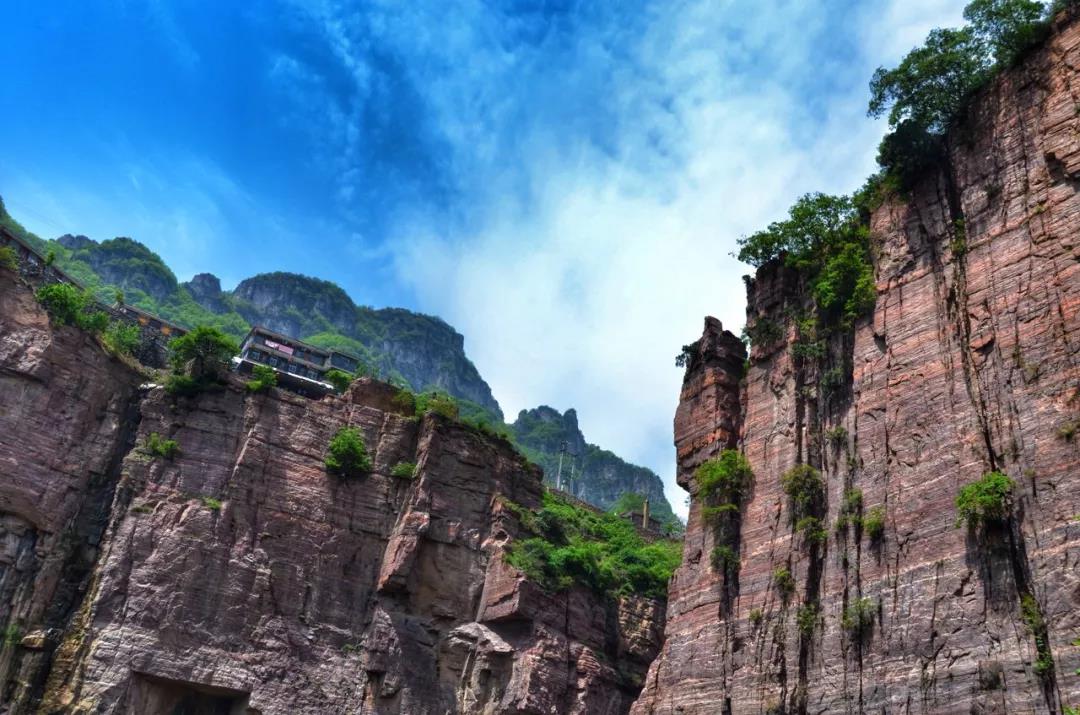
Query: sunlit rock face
(969, 363)
(239, 576)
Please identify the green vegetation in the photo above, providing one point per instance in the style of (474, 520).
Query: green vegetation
(201, 352)
(928, 93)
(853, 502)
(12, 635)
(724, 559)
(806, 489)
(628, 502)
(806, 619)
(157, 446)
(346, 455)
(784, 581)
(121, 338)
(714, 515)
(1068, 430)
(403, 470)
(574, 545)
(837, 435)
(438, 403)
(756, 617)
(211, 503)
(858, 618)
(339, 379)
(1032, 615)
(179, 385)
(725, 478)
(8, 259)
(812, 530)
(762, 331)
(825, 238)
(540, 433)
(263, 378)
(988, 499)
(874, 523)
(67, 305)
(685, 357)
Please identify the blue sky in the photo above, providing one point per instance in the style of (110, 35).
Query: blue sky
(562, 181)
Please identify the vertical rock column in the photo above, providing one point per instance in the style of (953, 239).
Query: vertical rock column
(706, 422)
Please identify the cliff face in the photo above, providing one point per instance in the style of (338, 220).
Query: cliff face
(588, 472)
(239, 576)
(970, 363)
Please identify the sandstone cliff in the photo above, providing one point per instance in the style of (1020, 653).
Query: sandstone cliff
(239, 576)
(970, 363)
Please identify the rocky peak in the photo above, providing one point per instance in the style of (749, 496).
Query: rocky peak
(75, 242)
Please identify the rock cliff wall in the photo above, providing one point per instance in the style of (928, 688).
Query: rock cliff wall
(970, 363)
(238, 576)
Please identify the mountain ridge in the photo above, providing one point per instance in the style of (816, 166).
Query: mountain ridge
(415, 349)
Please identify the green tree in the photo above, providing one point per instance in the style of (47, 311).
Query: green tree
(985, 500)
(1006, 27)
(65, 303)
(8, 258)
(932, 82)
(815, 222)
(201, 352)
(346, 455)
(339, 379)
(826, 238)
(121, 337)
(263, 378)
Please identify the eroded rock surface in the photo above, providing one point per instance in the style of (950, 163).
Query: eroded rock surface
(970, 363)
(239, 574)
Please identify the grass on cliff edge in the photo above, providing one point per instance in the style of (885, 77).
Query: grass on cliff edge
(571, 545)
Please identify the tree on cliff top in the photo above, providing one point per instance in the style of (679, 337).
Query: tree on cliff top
(929, 90)
(826, 238)
(201, 351)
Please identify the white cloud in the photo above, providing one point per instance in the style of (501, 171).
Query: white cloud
(583, 298)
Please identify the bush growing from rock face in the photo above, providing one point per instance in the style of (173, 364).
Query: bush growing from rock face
(263, 378)
(403, 470)
(874, 523)
(784, 581)
(858, 618)
(724, 559)
(726, 477)
(121, 338)
(804, 486)
(339, 379)
(986, 500)
(806, 619)
(347, 456)
(67, 305)
(8, 259)
(157, 446)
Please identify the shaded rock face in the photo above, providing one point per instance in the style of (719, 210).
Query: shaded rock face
(67, 415)
(588, 472)
(205, 288)
(969, 364)
(239, 576)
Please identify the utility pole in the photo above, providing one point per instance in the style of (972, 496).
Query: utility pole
(558, 475)
(645, 514)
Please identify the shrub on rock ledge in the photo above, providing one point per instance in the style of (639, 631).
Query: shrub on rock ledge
(984, 501)
(347, 456)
